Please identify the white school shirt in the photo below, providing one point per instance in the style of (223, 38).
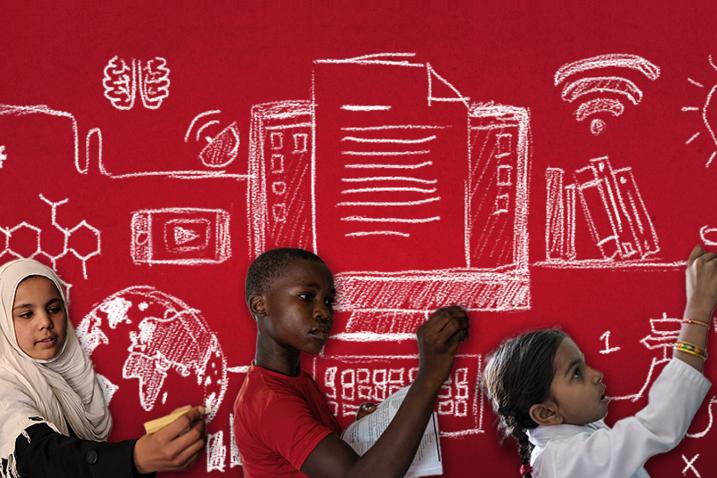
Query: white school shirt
(621, 451)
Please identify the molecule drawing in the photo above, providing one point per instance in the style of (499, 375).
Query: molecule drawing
(24, 239)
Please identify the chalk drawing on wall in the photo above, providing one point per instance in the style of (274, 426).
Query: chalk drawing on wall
(607, 349)
(120, 87)
(707, 114)
(214, 151)
(608, 201)
(108, 388)
(690, 465)
(166, 338)
(711, 404)
(708, 235)
(122, 80)
(25, 240)
(3, 155)
(221, 144)
(183, 236)
(600, 96)
(350, 380)
(23, 120)
(664, 332)
(279, 190)
(234, 457)
(392, 191)
(217, 451)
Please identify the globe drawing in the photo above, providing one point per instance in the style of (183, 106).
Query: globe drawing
(167, 353)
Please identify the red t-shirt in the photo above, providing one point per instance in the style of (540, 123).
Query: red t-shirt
(278, 421)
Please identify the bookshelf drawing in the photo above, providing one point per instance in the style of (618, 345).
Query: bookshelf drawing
(608, 203)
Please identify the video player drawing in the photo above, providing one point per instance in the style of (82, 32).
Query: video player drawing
(183, 236)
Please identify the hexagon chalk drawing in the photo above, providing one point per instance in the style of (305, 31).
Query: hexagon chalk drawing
(24, 240)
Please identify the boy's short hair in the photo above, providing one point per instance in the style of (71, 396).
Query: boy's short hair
(269, 265)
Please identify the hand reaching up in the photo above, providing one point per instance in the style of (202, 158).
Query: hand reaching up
(701, 284)
(438, 340)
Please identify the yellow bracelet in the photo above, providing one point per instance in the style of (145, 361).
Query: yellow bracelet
(690, 349)
(691, 353)
(696, 322)
(690, 346)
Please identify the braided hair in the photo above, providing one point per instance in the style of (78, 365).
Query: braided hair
(518, 375)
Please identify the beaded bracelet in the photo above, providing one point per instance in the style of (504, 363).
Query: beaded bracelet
(690, 349)
(696, 322)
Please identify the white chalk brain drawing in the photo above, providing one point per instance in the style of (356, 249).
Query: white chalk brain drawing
(122, 80)
(166, 336)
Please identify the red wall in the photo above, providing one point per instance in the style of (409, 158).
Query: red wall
(161, 210)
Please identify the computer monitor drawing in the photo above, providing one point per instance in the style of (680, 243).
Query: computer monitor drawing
(417, 195)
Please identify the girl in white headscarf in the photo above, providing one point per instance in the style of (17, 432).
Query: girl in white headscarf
(54, 419)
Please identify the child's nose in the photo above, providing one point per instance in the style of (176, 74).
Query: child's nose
(45, 322)
(322, 312)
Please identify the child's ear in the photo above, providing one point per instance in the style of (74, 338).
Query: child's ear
(257, 305)
(545, 413)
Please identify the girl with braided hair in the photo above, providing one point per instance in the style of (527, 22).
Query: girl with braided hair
(553, 403)
(519, 374)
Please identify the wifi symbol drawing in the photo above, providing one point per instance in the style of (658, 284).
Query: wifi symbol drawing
(600, 96)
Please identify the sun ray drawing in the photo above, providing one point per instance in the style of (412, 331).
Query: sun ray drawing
(707, 115)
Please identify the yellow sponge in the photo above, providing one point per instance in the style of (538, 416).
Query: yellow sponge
(159, 423)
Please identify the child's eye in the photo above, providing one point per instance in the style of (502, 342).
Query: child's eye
(330, 302)
(54, 310)
(306, 296)
(578, 373)
(25, 315)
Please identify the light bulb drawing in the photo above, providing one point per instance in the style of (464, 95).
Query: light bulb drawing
(706, 114)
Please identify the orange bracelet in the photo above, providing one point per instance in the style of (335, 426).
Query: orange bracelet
(696, 322)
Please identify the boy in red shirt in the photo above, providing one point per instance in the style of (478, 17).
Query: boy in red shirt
(282, 423)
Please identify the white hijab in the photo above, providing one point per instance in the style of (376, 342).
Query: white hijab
(63, 391)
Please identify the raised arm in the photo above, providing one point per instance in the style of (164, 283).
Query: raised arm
(392, 454)
(622, 450)
(701, 285)
(673, 400)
